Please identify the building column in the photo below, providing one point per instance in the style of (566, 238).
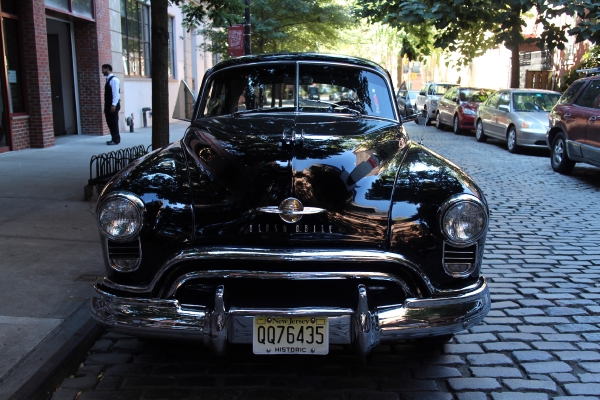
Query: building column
(92, 49)
(36, 72)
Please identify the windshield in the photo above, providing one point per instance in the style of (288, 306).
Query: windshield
(534, 101)
(322, 88)
(475, 95)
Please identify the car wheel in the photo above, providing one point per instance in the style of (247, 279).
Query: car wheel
(559, 159)
(479, 135)
(455, 126)
(438, 123)
(511, 140)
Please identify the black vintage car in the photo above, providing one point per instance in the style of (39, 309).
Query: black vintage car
(292, 224)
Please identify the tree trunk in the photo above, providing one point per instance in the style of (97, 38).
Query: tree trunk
(516, 39)
(515, 68)
(160, 73)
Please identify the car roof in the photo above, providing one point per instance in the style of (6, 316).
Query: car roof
(281, 57)
(526, 90)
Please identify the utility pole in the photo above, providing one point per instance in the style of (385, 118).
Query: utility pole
(247, 28)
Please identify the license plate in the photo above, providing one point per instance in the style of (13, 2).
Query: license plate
(290, 335)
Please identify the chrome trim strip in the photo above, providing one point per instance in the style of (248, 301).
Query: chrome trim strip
(413, 319)
(291, 275)
(111, 262)
(459, 274)
(241, 254)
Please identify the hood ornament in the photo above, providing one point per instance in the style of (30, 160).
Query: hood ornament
(291, 138)
(290, 210)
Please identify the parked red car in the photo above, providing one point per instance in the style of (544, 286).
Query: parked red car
(574, 134)
(459, 106)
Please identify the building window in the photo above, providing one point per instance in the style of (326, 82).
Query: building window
(171, 47)
(83, 8)
(135, 30)
(13, 65)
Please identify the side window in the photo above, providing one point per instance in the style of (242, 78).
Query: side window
(571, 92)
(504, 100)
(450, 94)
(590, 94)
(423, 91)
(493, 100)
(431, 90)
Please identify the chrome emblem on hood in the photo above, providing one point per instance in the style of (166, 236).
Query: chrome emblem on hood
(290, 210)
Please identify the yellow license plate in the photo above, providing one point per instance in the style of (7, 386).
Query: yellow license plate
(290, 335)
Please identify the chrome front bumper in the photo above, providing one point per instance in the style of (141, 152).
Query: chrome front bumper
(360, 326)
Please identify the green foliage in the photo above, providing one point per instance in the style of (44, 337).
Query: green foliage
(285, 25)
(471, 27)
(219, 11)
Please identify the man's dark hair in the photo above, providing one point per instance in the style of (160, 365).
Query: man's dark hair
(107, 66)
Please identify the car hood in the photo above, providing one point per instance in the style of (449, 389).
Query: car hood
(540, 117)
(247, 166)
(471, 105)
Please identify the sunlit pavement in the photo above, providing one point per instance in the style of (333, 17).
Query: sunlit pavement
(540, 341)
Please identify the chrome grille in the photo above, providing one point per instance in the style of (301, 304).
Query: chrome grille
(459, 261)
(124, 256)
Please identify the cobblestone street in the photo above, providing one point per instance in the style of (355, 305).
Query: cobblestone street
(541, 339)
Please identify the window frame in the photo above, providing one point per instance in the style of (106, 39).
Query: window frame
(172, 60)
(136, 40)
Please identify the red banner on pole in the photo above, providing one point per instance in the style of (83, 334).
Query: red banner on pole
(235, 39)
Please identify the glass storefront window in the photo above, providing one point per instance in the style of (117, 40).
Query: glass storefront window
(135, 31)
(13, 65)
(83, 8)
(60, 4)
(77, 7)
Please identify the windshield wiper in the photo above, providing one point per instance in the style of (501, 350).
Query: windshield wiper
(332, 106)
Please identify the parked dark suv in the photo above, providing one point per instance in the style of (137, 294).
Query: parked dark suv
(574, 134)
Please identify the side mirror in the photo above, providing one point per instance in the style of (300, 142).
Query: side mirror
(504, 108)
(184, 106)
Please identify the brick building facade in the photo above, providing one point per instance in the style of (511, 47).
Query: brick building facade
(87, 46)
(52, 82)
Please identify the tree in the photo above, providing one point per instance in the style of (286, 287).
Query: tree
(286, 25)
(215, 10)
(471, 27)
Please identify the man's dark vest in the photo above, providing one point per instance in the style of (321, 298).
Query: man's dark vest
(108, 95)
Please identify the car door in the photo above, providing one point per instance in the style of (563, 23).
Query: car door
(590, 101)
(502, 115)
(491, 127)
(446, 106)
(485, 111)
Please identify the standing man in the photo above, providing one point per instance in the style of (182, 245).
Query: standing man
(112, 103)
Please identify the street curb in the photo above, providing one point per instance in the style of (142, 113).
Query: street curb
(62, 353)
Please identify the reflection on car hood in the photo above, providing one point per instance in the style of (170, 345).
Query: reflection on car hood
(541, 117)
(331, 163)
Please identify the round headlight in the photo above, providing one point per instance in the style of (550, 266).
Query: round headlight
(120, 217)
(464, 219)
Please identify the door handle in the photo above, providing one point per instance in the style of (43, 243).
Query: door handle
(592, 119)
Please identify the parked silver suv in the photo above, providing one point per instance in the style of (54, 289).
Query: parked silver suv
(427, 100)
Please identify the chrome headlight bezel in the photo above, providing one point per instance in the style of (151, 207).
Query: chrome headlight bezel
(470, 204)
(131, 207)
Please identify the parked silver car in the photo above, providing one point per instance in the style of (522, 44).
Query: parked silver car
(517, 116)
(427, 100)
